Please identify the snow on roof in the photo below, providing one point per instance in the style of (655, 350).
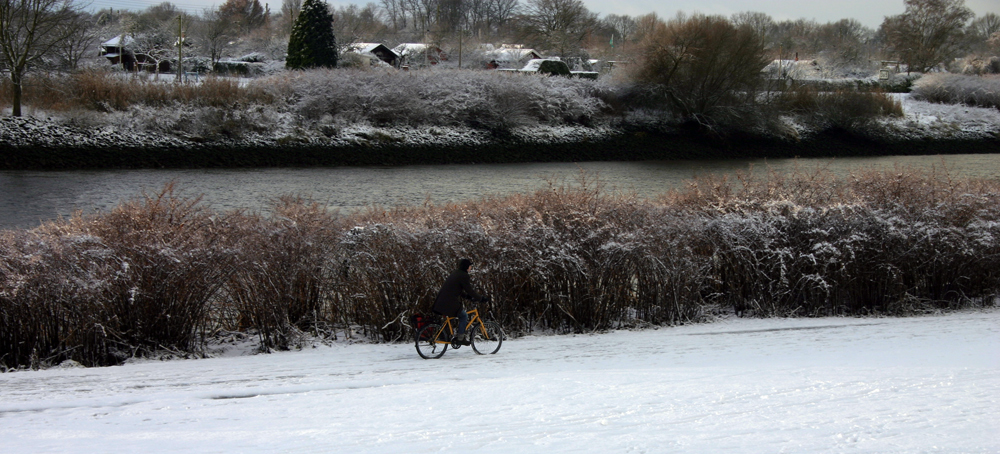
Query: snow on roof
(511, 55)
(410, 48)
(114, 42)
(797, 69)
(362, 48)
(536, 63)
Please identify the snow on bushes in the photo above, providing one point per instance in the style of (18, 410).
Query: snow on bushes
(164, 273)
(322, 106)
(978, 91)
(438, 97)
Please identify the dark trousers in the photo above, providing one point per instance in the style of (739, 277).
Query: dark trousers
(463, 319)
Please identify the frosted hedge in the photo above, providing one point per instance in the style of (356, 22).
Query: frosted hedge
(164, 273)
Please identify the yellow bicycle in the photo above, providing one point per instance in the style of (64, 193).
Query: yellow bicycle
(485, 336)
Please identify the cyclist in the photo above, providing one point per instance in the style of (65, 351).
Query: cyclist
(448, 302)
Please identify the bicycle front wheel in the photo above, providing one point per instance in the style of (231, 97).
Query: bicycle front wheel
(488, 343)
(427, 346)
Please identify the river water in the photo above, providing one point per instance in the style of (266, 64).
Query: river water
(28, 198)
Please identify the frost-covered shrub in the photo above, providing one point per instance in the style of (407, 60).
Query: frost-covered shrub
(102, 290)
(435, 97)
(899, 83)
(162, 272)
(203, 122)
(982, 66)
(980, 91)
(564, 259)
(844, 109)
(238, 68)
(108, 92)
(282, 279)
(887, 242)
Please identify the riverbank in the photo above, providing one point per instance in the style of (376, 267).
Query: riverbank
(30, 144)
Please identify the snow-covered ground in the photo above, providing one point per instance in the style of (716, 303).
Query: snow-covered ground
(927, 120)
(841, 385)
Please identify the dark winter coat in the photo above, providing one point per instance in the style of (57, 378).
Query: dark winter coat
(458, 285)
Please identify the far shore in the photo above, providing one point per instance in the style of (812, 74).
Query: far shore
(63, 151)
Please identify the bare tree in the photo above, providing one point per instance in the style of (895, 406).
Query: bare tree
(708, 68)
(81, 36)
(794, 36)
(245, 15)
(928, 32)
(354, 24)
(289, 13)
(980, 31)
(622, 27)
(762, 24)
(395, 11)
(645, 25)
(559, 26)
(985, 26)
(500, 13)
(152, 47)
(213, 32)
(29, 31)
(845, 41)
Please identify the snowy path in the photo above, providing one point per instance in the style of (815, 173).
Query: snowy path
(922, 384)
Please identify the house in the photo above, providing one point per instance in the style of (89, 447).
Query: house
(552, 67)
(793, 69)
(420, 53)
(510, 57)
(118, 52)
(379, 50)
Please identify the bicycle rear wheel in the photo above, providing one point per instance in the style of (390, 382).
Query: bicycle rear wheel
(427, 346)
(489, 343)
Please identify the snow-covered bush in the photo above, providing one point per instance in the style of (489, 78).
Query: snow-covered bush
(981, 66)
(980, 91)
(435, 97)
(850, 110)
(101, 290)
(198, 122)
(709, 69)
(281, 282)
(161, 272)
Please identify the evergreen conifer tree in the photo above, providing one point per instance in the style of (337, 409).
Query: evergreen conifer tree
(312, 44)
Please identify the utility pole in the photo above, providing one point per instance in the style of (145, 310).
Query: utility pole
(180, 48)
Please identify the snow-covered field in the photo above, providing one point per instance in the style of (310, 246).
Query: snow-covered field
(851, 385)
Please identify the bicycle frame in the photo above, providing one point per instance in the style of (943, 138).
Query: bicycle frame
(446, 325)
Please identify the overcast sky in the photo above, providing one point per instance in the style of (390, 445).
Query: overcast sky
(868, 12)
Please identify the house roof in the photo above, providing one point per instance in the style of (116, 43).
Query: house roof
(362, 48)
(512, 55)
(405, 49)
(533, 64)
(115, 42)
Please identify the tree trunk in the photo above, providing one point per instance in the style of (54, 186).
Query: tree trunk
(15, 81)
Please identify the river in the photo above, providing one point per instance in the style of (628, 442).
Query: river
(28, 198)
